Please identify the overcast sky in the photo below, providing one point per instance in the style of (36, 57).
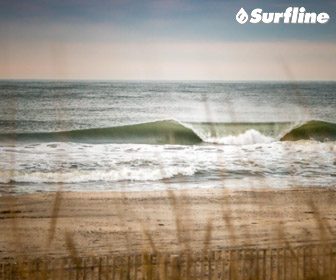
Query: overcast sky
(162, 39)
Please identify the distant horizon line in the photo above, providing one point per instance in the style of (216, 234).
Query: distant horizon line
(158, 80)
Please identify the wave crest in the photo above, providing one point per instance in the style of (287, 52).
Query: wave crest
(249, 137)
(174, 132)
(312, 130)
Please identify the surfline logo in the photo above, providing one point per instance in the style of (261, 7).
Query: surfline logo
(291, 15)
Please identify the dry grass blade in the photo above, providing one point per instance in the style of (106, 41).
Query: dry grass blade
(323, 226)
(70, 243)
(149, 238)
(301, 98)
(227, 217)
(288, 246)
(54, 217)
(12, 105)
(209, 116)
(121, 217)
(176, 213)
(174, 203)
(208, 234)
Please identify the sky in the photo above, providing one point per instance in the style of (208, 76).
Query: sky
(162, 40)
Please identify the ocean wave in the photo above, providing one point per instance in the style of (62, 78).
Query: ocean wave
(249, 137)
(312, 130)
(174, 132)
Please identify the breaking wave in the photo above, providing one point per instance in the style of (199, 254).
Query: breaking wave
(315, 130)
(174, 132)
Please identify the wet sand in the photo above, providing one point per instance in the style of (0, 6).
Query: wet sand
(102, 223)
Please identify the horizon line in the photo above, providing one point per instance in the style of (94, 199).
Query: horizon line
(156, 80)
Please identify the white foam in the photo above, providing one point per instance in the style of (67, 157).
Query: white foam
(249, 137)
(81, 176)
(80, 163)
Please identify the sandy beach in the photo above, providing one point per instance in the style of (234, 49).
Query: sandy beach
(111, 222)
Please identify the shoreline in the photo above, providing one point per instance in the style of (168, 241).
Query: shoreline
(101, 223)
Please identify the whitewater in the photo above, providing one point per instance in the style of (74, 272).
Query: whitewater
(139, 136)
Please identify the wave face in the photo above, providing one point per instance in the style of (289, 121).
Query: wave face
(173, 132)
(160, 132)
(316, 130)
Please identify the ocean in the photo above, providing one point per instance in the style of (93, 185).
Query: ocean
(142, 136)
